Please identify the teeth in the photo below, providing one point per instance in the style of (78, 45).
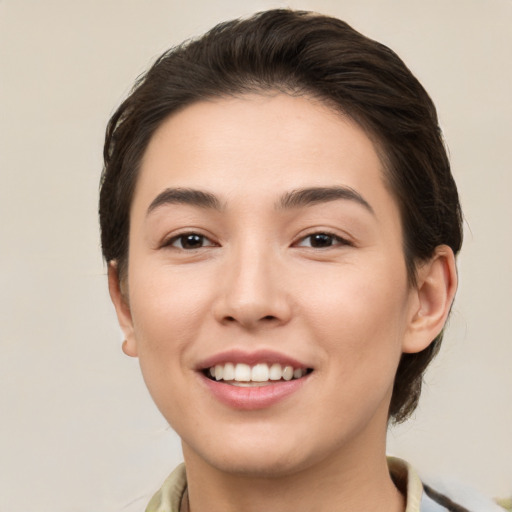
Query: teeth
(242, 373)
(288, 373)
(276, 372)
(261, 372)
(229, 371)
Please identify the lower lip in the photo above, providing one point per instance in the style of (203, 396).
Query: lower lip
(252, 398)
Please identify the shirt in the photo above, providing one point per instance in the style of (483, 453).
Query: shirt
(168, 498)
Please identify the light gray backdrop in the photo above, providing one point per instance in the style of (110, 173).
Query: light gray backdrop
(78, 431)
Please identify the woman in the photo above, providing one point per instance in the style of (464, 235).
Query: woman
(280, 223)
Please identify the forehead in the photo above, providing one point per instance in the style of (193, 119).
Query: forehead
(259, 145)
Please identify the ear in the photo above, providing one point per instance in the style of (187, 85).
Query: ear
(124, 315)
(433, 297)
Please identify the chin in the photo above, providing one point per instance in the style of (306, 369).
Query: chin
(259, 466)
(259, 456)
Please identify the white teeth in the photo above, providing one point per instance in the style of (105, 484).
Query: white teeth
(229, 371)
(259, 373)
(248, 384)
(242, 372)
(276, 372)
(288, 373)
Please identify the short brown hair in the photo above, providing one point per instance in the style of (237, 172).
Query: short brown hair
(309, 54)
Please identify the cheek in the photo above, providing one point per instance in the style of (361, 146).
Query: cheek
(358, 316)
(167, 306)
(166, 313)
(359, 326)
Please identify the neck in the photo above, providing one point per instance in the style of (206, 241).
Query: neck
(348, 480)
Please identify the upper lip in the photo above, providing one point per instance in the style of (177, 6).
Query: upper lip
(251, 358)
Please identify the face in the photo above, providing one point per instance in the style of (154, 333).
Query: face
(267, 295)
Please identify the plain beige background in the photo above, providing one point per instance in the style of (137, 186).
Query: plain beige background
(78, 431)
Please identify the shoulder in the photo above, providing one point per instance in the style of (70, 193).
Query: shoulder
(456, 494)
(440, 496)
(168, 498)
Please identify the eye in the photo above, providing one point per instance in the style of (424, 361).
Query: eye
(189, 241)
(322, 240)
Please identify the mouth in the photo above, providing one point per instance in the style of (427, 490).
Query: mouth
(257, 375)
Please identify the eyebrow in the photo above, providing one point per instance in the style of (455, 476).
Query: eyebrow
(189, 196)
(294, 199)
(314, 195)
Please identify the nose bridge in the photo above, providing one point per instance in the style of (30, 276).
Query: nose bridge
(253, 292)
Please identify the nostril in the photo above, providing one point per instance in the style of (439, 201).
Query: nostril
(266, 318)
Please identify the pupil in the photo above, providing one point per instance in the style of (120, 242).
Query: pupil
(192, 241)
(321, 240)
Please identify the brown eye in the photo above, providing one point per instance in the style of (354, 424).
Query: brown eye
(321, 241)
(190, 241)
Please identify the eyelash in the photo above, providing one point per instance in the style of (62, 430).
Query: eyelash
(334, 241)
(182, 236)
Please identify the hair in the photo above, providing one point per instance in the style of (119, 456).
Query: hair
(308, 54)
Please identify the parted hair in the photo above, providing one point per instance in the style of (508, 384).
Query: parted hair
(308, 54)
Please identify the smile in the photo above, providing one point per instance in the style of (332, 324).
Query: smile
(253, 380)
(259, 374)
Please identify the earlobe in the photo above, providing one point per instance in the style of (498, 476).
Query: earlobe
(435, 290)
(122, 308)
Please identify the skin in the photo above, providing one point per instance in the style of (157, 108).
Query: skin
(256, 281)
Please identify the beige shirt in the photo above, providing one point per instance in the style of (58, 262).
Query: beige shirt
(168, 498)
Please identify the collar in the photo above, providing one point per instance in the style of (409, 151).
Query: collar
(408, 483)
(168, 498)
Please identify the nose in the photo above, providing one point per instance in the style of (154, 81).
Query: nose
(253, 293)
